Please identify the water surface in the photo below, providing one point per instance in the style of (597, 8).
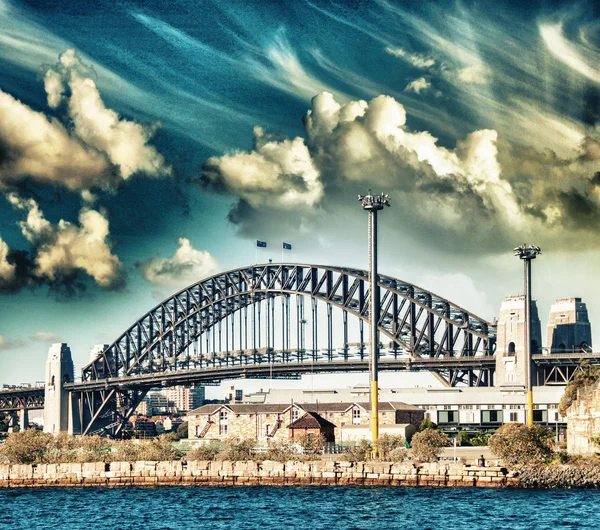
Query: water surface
(269, 508)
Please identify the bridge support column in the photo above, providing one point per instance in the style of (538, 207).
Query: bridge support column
(23, 419)
(59, 370)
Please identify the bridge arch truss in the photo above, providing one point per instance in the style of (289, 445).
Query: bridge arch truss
(281, 315)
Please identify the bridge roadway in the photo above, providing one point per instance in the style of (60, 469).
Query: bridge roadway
(29, 398)
(33, 397)
(264, 370)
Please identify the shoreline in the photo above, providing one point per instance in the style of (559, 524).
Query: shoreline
(294, 473)
(251, 473)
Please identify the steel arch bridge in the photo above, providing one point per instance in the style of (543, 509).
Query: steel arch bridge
(231, 325)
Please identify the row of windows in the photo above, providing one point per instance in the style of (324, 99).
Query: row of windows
(489, 416)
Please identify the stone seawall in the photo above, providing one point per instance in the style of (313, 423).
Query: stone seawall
(204, 473)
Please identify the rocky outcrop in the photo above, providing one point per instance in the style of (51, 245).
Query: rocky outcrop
(559, 476)
(583, 421)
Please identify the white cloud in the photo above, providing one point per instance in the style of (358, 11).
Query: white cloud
(476, 74)
(7, 343)
(580, 58)
(279, 174)
(96, 148)
(418, 85)
(45, 337)
(7, 270)
(417, 60)
(34, 146)
(125, 142)
(35, 226)
(186, 266)
(63, 249)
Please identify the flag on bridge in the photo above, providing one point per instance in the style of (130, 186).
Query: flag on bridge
(287, 246)
(262, 244)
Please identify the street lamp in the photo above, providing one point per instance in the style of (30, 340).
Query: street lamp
(372, 204)
(528, 253)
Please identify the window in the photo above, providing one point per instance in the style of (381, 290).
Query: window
(223, 422)
(295, 414)
(514, 416)
(356, 416)
(448, 416)
(491, 416)
(540, 416)
(511, 349)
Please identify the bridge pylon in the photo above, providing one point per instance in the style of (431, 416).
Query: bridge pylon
(58, 406)
(512, 358)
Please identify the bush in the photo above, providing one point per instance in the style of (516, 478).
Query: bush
(238, 450)
(399, 454)
(311, 444)
(465, 438)
(207, 451)
(428, 424)
(427, 444)
(517, 444)
(360, 452)
(160, 448)
(26, 447)
(586, 376)
(281, 452)
(387, 443)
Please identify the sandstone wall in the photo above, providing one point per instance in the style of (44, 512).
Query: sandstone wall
(583, 420)
(203, 473)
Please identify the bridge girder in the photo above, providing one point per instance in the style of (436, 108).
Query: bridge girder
(410, 316)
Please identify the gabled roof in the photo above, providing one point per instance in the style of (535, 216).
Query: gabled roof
(248, 408)
(311, 420)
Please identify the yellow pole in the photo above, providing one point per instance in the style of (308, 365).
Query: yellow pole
(529, 408)
(374, 417)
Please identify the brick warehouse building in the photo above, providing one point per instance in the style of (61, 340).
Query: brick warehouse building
(266, 422)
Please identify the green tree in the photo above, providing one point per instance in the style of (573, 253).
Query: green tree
(359, 452)
(517, 444)
(428, 424)
(182, 431)
(427, 445)
(386, 443)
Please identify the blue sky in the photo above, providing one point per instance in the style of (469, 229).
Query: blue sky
(144, 145)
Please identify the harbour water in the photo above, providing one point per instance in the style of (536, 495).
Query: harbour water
(269, 508)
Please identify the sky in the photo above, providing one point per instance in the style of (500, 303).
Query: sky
(146, 145)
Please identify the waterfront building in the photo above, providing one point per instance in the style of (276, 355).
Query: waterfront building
(452, 408)
(266, 422)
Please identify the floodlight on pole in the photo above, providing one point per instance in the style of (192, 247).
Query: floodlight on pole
(528, 253)
(372, 204)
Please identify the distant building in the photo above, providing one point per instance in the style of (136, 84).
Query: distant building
(183, 399)
(157, 403)
(142, 427)
(569, 328)
(143, 409)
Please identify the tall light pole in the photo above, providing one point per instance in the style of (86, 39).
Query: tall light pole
(528, 253)
(372, 204)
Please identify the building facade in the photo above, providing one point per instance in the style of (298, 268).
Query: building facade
(271, 422)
